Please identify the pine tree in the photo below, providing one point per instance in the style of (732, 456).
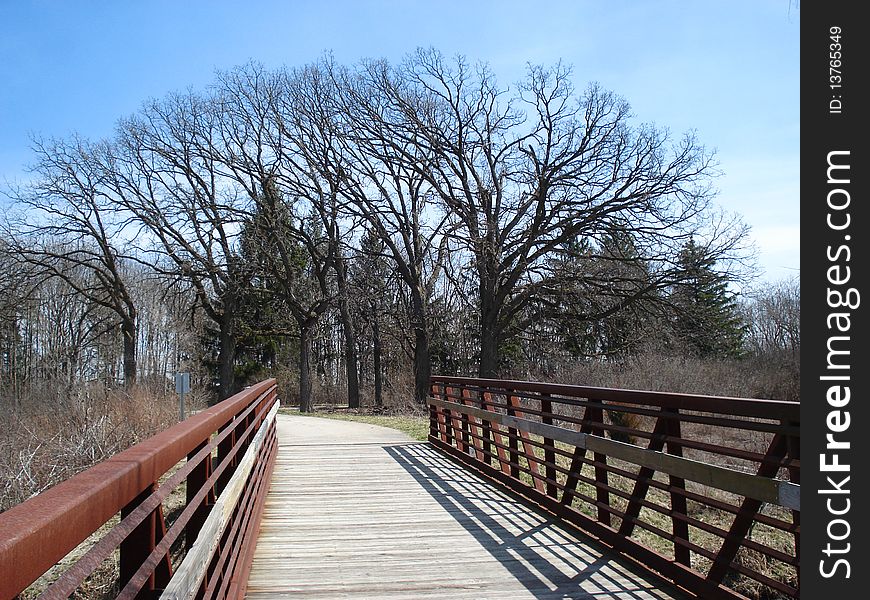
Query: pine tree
(707, 318)
(626, 295)
(265, 327)
(601, 295)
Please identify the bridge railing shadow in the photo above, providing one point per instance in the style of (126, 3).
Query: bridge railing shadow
(546, 558)
(677, 482)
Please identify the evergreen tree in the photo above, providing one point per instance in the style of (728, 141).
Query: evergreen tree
(626, 295)
(707, 318)
(266, 329)
(599, 296)
(291, 264)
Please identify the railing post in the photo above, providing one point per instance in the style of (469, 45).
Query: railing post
(134, 550)
(549, 451)
(596, 415)
(245, 441)
(793, 453)
(468, 426)
(225, 446)
(195, 481)
(485, 428)
(679, 527)
(433, 412)
(458, 422)
(513, 434)
(448, 418)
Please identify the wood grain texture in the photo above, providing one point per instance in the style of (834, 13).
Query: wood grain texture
(360, 511)
(187, 578)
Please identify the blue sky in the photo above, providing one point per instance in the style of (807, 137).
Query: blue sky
(728, 69)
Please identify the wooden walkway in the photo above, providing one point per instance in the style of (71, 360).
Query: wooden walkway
(360, 511)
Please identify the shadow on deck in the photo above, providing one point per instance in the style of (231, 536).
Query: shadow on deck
(548, 560)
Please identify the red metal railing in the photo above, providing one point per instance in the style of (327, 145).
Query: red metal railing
(704, 490)
(229, 450)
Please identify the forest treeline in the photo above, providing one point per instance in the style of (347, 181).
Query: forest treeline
(360, 227)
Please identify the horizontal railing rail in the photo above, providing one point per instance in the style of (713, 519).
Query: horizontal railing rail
(224, 457)
(705, 490)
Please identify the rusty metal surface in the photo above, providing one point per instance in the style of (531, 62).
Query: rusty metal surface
(87, 563)
(663, 425)
(746, 407)
(36, 534)
(140, 577)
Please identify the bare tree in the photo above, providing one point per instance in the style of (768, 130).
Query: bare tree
(166, 172)
(306, 118)
(261, 148)
(522, 174)
(773, 320)
(372, 175)
(66, 225)
(502, 211)
(296, 254)
(369, 280)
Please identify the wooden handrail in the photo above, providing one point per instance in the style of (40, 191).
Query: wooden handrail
(188, 578)
(36, 534)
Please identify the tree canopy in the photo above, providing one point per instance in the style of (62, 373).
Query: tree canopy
(369, 220)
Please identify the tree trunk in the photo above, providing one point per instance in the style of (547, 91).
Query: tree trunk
(376, 357)
(128, 332)
(227, 356)
(305, 330)
(489, 358)
(489, 338)
(422, 363)
(422, 366)
(350, 357)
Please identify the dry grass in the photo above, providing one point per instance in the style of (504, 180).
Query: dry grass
(51, 439)
(748, 378)
(59, 431)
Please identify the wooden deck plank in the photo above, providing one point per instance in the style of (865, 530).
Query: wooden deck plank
(376, 515)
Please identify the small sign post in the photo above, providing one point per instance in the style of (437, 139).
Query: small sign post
(182, 386)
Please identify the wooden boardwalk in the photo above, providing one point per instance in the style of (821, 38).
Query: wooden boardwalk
(360, 511)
